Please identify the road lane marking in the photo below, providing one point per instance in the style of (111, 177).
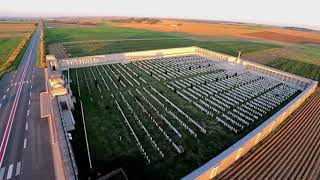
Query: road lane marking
(6, 136)
(18, 170)
(9, 175)
(27, 125)
(0, 105)
(4, 97)
(28, 113)
(29, 101)
(30, 93)
(25, 143)
(8, 89)
(31, 86)
(2, 172)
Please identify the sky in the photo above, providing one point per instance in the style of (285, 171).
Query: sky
(304, 13)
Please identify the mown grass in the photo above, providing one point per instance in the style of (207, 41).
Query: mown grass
(303, 69)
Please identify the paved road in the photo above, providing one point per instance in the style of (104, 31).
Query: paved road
(25, 151)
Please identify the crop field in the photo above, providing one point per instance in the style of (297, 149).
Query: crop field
(13, 36)
(227, 47)
(284, 37)
(83, 41)
(7, 46)
(304, 69)
(167, 115)
(58, 35)
(230, 30)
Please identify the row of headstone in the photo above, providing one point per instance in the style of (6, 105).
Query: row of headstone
(171, 113)
(153, 143)
(114, 84)
(140, 147)
(180, 111)
(179, 149)
(123, 76)
(87, 84)
(104, 81)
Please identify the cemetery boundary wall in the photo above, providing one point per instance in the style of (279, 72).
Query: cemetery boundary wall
(222, 161)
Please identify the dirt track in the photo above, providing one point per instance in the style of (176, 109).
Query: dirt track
(291, 153)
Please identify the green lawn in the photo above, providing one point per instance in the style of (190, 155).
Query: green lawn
(311, 71)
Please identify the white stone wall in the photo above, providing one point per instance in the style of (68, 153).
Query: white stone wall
(227, 157)
(78, 62)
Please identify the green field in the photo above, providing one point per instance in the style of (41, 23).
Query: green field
(303, 69)
(16, 62)
(7, 46)
(58, 35)
(118, 40)
(310, 49)
(227, 47)
(12, 33)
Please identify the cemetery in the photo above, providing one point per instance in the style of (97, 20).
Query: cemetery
(170, 113)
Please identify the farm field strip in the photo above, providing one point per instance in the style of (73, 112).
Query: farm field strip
(13, 37)
(82, 41)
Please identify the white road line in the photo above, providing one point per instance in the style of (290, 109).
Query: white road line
(30, 93)
(18, 170)
(29, 101)
(31, 86)
(0, 105)
(8, 89)
(2, 172)
(4, 97)
(27, 125)
(25, 143)
(28, 113)
(9, 175)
